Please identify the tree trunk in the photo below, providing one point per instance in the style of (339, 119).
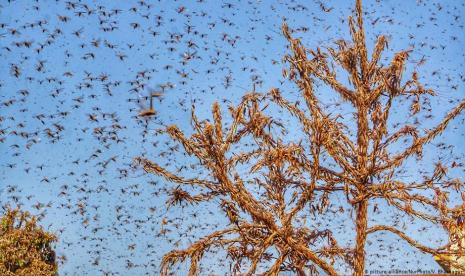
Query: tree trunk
(361, 228)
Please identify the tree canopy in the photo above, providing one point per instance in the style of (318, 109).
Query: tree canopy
(25, 248)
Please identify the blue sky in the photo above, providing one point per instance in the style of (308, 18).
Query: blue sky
(71, 132)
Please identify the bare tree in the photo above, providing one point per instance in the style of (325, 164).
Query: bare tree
(286, 181)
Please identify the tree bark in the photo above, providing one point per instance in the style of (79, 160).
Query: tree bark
(361, 228)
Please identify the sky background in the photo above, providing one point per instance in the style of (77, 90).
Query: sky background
(73, 71)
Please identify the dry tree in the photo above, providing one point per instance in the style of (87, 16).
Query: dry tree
(265, 185)
(25, 248)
